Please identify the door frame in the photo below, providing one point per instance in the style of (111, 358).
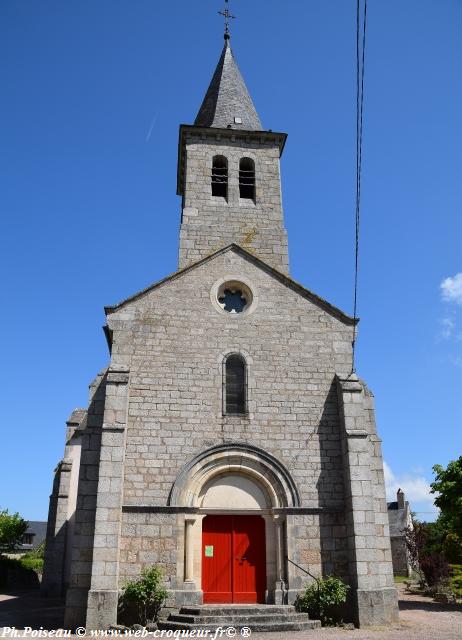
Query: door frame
(261, 594)
(194, 521)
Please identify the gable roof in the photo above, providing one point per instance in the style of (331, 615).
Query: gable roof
(227, 98)
(281, 277)
(38, 528)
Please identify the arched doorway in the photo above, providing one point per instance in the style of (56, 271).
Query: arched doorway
(235, 527)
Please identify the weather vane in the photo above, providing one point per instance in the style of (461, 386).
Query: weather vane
(227, 15)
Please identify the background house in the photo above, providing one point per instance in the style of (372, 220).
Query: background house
(399, 517)
(35, 534)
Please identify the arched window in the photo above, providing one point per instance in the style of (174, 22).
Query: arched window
(220, 176)
(247, 178)
(235, 385)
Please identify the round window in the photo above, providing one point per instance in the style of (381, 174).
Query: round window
(234, 296)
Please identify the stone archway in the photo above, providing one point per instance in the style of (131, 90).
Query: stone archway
(234, 458)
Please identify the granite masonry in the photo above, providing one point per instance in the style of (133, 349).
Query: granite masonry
(229, 392)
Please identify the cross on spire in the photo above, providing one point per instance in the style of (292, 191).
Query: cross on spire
(227, 15)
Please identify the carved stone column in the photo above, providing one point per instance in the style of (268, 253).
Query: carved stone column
(189, 550)
(279, 587)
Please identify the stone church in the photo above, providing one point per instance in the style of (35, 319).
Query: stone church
(227, 441)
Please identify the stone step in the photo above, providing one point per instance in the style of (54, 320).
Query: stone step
(255, 617)
(255, 627)
(233, 620)
(236, 609)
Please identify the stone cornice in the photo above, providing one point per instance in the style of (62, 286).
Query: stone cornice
(147, 508)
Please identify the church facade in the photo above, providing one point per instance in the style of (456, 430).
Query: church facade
(227, 441)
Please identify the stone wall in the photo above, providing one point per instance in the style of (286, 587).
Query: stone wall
(148, 538)
(399, 556)
(173, 340)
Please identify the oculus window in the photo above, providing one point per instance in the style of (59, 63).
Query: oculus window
(234, 297)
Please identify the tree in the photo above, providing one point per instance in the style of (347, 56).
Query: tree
(12, 529)
(435, 569)
(415, 538)
(423, 541)
(435, 535)
(448, 486)
(452, 548)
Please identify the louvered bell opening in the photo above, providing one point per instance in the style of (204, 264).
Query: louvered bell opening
(247, 179)
(220, 177)
(235, 385)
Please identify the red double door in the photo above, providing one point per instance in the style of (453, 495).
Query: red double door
(233, 559)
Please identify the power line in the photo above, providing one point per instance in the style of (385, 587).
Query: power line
(359, 152)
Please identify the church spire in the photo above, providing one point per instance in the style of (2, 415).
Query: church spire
(227, 103)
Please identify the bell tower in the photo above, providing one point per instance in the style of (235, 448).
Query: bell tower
(229, 175)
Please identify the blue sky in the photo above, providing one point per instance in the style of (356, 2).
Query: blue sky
(93, 93)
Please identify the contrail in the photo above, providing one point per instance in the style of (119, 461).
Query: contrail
(152, 125)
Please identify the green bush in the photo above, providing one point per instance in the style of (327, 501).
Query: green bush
(320, 598)
(147, 594)
(34, 558)
(455, 579)
(30, 561)
(15, 575)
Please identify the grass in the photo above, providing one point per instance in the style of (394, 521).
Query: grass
(401, 579)
(23, 569)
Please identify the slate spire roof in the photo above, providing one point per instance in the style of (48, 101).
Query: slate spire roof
(227, 101)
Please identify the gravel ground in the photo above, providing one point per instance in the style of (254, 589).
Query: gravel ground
(420, 619)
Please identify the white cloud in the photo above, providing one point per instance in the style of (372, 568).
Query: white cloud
(417, 469)
(416, 488)
(447, 327)
(451, 289)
